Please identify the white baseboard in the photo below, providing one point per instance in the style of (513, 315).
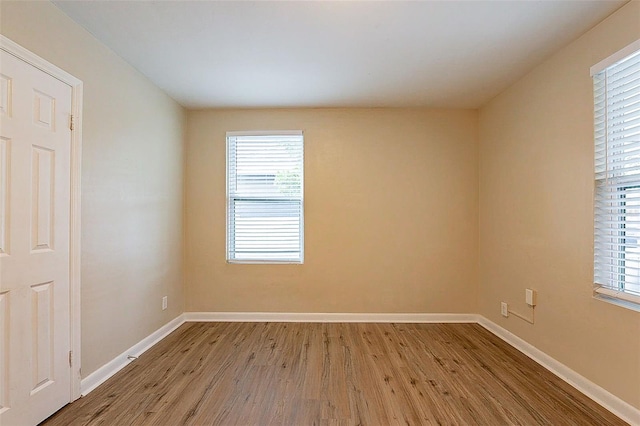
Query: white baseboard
(99, 376)
(617, 406)
(327, 317)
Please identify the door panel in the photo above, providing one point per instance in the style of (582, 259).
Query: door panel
(4, 351)
(42, 203)
(35, 141)
(5, 145)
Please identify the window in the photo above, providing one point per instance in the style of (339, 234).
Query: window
(616, 84)
(265, 220)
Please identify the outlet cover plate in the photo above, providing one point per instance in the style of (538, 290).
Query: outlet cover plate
(530, 297)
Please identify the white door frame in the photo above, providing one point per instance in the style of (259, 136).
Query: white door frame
(74, 225)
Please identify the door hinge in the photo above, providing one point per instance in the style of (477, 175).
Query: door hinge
(70, 358)
(71, 123)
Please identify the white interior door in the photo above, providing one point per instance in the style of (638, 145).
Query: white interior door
(35, 143)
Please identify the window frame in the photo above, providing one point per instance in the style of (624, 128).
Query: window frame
(613, 291)
(230, 198)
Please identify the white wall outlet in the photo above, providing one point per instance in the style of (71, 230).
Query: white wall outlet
(164, 303)
(530, 297)
(504, 309)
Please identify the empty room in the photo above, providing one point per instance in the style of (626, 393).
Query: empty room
(319, 212)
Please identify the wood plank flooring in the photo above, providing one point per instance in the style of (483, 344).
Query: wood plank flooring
(333, 374)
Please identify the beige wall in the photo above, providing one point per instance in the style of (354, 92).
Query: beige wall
(536, 219)
(390, 213)
(131, 184)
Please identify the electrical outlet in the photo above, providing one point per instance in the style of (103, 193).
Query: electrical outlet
(164, 303)
(530, 297)
(504, 309)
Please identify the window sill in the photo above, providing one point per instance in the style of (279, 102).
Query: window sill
(264, 262)
(617, 298)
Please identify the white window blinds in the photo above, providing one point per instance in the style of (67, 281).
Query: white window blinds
(265, 197)
(617, 177)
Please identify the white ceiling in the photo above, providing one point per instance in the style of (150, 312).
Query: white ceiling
(329, 54)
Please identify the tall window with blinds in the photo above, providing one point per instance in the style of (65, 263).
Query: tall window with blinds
(616, 83)
(265, 187)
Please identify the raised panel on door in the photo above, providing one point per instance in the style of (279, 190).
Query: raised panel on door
(44, 110)
(42, 336)
(42, 199)
(5, 153)
(5, 95)
(4, 351)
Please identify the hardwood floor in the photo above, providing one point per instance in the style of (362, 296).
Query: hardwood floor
(333, 374)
